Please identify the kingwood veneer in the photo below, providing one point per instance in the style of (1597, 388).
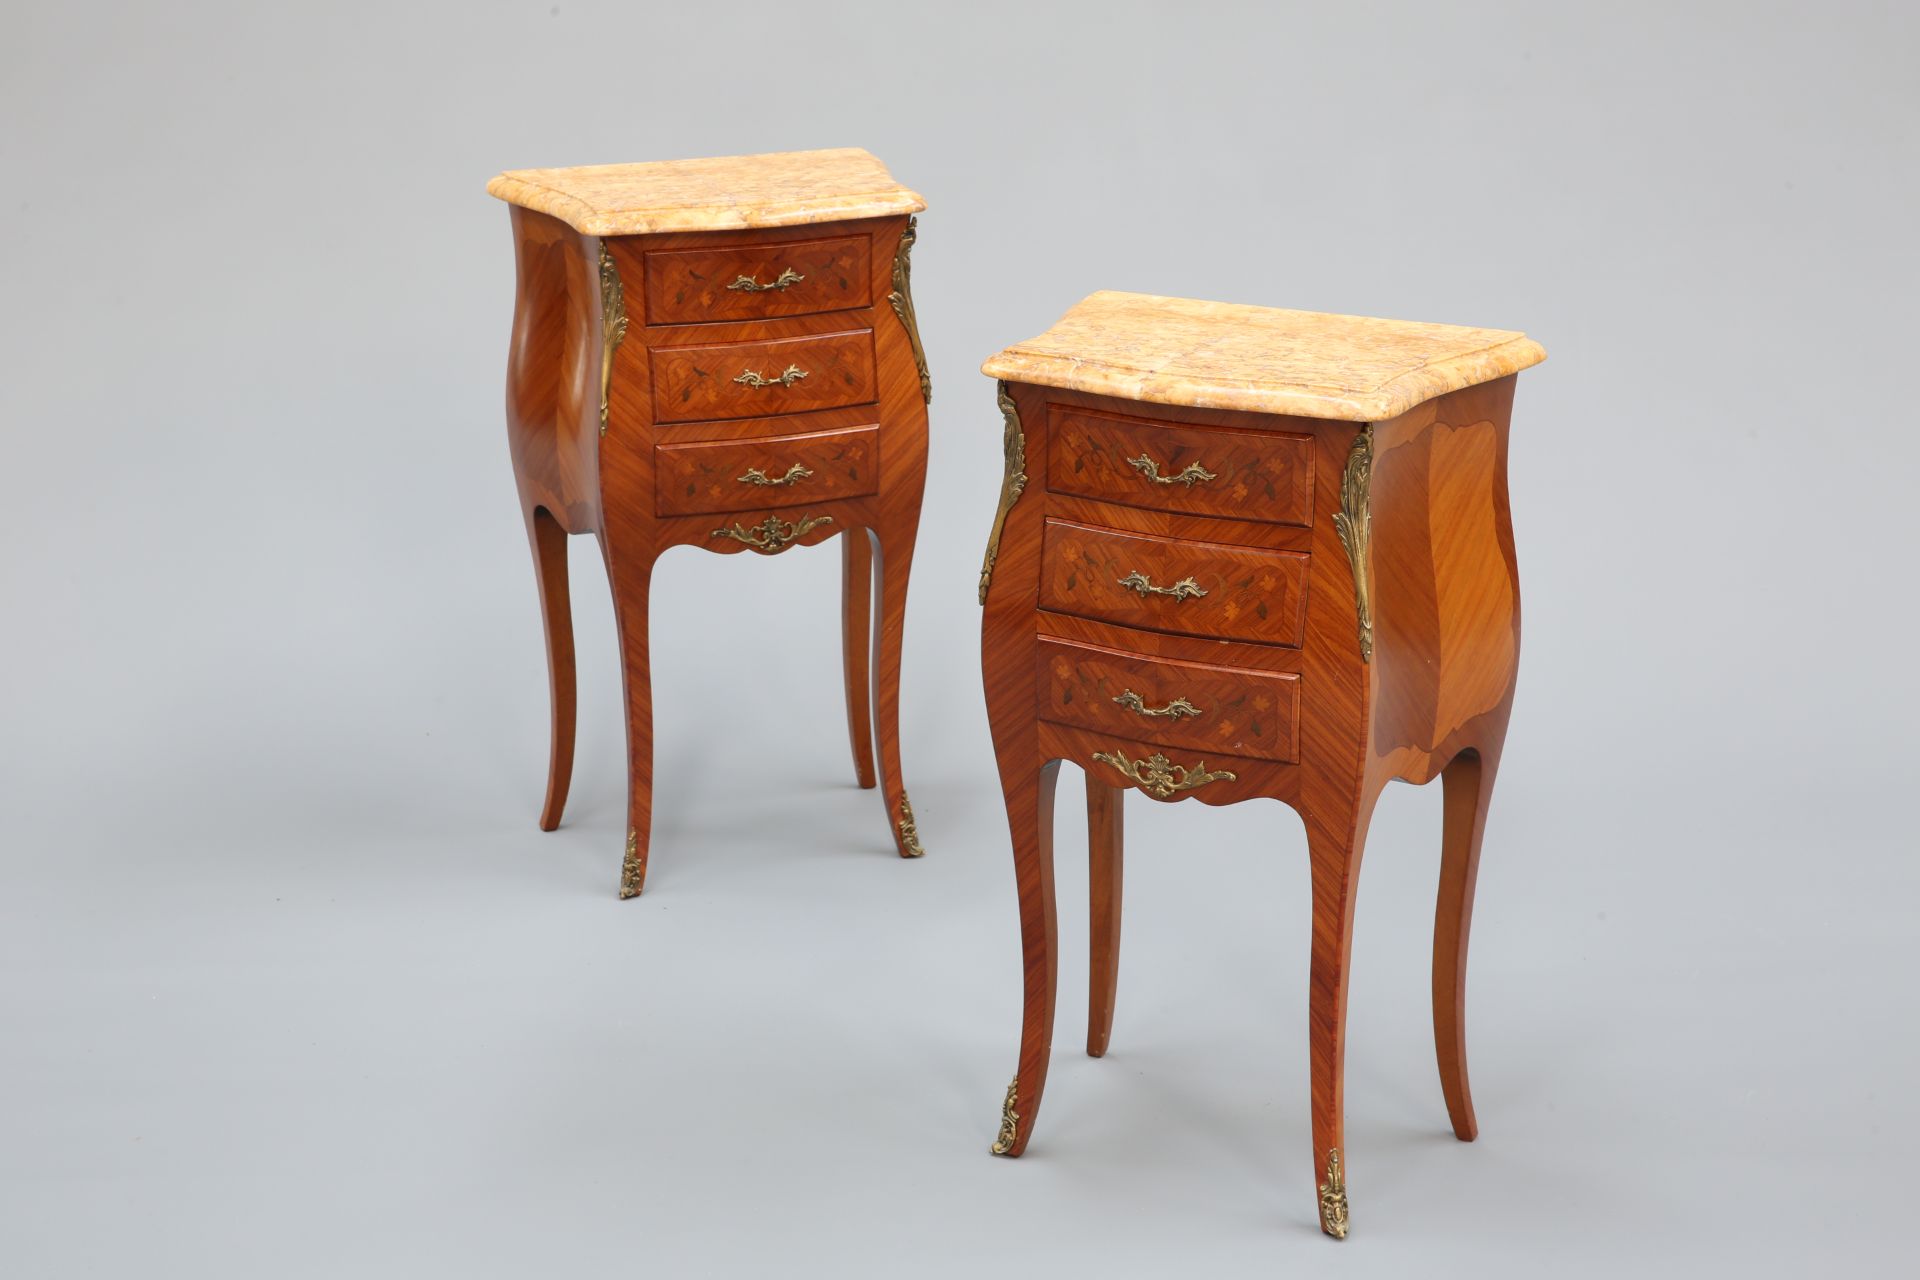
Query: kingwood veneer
(1251, 553)
(723, 354)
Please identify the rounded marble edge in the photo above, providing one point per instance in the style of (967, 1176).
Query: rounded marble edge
(588, 220)
(1408, 391)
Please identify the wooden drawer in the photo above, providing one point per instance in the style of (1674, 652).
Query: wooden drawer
(758, 281)
(1191, 705)
(751, 379)
(1209, 589)
(1200, 471)
(766, 471)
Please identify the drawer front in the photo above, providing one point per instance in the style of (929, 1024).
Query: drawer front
(1208, 589)
(767, 471)
(758, 281)
(751, 379)
(1200, 471)
(1191, 705)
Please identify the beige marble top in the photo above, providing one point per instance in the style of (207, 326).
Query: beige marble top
(784, 189)
(1219, 355)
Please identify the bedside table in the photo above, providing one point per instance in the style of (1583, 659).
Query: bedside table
(1243, 552)
(723, 354)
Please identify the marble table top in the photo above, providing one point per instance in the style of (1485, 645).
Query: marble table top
(1218, 355)
(783, 189)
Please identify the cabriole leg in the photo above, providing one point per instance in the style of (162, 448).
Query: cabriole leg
(1334, 848)
(895, 551)
(631, 574)
(856, 647)
(1105, 855)
(1467, 783)
(1030, 816)
(549, 542)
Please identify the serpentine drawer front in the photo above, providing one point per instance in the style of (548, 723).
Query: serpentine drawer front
(754, 379)
(1197, 471)
(723, 354)
(758, 281)
(765, 471)
(1214, 710)
(1171, 584)
(1245, 553)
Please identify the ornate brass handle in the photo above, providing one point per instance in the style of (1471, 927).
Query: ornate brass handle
(752, 378)
(1173, 710)
(1189, 476)
(1160, 776)
(747, 284)
(772, 534)
(1184, 589)
(756, 476)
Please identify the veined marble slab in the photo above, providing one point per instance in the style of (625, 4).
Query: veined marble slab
(1220, 355)
(782, 189)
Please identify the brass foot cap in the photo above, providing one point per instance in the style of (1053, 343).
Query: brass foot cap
(1009, 1121)
(910, 846)
(633, 872)
(1333, 1199)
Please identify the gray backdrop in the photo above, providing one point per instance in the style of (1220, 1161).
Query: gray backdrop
(290, 985)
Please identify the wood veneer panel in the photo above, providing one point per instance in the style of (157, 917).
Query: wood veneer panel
(766, 471)
(1202, 707)
(788, 278)
(700, 381)
(1195, 471)
(1233, 592)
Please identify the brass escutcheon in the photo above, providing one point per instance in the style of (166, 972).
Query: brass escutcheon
(772, 534)
(758, 477)
(1185, 589)
(1161, 777)
(1173, 710)
(747, 284)
(1191, 475)
(752, 377)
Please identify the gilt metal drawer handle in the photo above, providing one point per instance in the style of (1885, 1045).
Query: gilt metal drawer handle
(1189, 476)
(752, 377)
(1184, 589)
(758, 477)
(747, 284)
(1174, 710)
(772, 534)
(1160, 776)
